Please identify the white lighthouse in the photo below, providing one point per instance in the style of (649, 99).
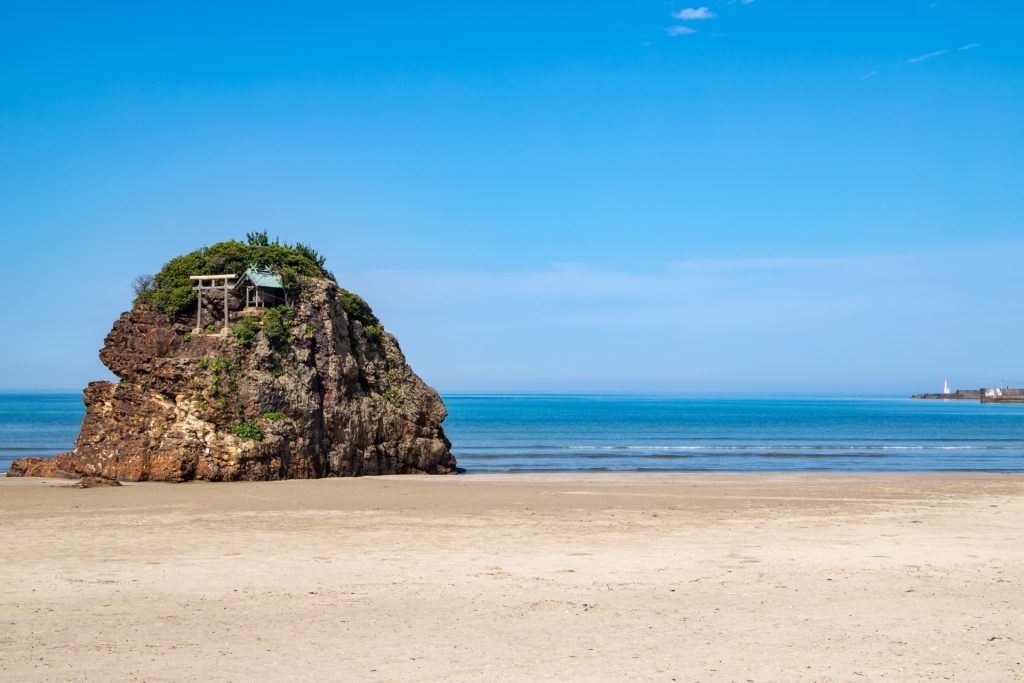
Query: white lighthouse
(945, 387)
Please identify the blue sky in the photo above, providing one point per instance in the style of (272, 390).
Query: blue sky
(617, 196)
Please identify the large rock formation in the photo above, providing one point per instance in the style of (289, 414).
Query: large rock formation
(334, 397)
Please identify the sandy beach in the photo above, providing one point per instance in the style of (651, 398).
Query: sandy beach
(683, 577)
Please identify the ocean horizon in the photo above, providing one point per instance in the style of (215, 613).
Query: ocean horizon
(659, 432)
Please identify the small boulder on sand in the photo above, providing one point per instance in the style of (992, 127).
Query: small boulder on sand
(91, 481)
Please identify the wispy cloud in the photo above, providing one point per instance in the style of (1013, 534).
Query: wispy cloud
(969, 46)
(870, 74)
(705, 322)
(694, 13)
(679, 30)
(709, 265)
(930, 55)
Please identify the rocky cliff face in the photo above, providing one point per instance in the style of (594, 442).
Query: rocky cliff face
(335, 397)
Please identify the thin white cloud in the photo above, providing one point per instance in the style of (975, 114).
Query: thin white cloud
(869, 74)
(969, 46)
(694, 13)
(739, 320)
(707, 265)
(679, 30)
(930, 55)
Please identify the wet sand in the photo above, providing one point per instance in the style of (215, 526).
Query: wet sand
(612, 577)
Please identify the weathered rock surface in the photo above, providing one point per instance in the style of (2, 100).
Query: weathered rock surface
(336, 400)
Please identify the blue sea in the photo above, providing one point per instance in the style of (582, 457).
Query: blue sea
(565, 433)
(37, 424)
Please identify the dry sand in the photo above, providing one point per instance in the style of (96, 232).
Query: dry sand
(613, 577)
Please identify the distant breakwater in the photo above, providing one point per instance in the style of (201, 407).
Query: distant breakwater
(958, 395)
(984, 395)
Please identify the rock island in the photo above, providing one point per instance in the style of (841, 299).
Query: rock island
(247, 361)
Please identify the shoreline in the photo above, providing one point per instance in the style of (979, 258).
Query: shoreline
(594, 471)
(600, 576)
(659, 432)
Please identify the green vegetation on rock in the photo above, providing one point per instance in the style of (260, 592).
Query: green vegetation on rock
(392, 396)
(249, 430)
(245, 331)
(357, 309)
(374, 333)
(290, 281)
(170, 291)
(276, 322)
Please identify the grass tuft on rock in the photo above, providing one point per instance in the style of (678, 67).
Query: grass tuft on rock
(249, 430)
